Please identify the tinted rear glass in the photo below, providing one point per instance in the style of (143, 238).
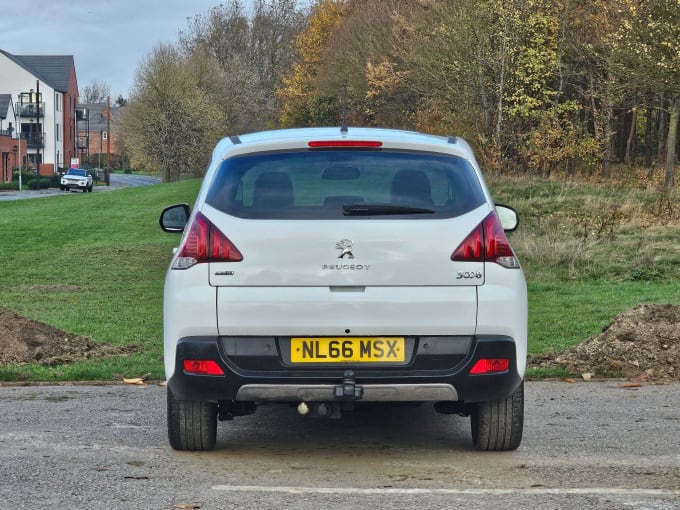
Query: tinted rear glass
(333, 184)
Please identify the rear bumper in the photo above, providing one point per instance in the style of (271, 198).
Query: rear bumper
(255, 370)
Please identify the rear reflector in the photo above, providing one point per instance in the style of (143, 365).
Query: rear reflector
(202, 367)
(344, 143)
(490, 366)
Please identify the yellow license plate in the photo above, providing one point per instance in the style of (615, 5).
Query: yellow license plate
(344, 350)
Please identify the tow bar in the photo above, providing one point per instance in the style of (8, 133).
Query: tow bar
(345, 396)
(348, 391)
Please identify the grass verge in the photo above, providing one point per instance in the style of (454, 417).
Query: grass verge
(91, 264)
(94, 264)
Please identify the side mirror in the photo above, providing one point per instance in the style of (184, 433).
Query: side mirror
(508, 216)
(174, 218)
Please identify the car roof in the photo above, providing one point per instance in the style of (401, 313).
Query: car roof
(299, 138)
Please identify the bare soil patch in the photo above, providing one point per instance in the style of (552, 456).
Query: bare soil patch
(24, 340)
(643, 342)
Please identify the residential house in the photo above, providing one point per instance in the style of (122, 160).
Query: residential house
(11, 151)
(43, 90)
(97, 133)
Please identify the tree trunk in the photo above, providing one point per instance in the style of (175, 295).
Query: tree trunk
(631, 137)
(501, 93)
(648, 137)
(608, 142)
(671, 141)
(662, 132)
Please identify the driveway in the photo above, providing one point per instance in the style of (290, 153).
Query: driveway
(586, 445)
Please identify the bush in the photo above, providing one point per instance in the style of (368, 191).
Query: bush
(25, 175)
(9, 186)
(44, 183)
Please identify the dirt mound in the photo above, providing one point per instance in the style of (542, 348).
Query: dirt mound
(641, 342)
(27, 341)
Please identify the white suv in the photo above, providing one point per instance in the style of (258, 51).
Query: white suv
(76, 178)
(334, 267)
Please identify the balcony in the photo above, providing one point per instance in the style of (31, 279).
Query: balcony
(30, 109)
(33, 140)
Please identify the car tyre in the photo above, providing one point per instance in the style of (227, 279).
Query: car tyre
(192, 424)
(497, 425)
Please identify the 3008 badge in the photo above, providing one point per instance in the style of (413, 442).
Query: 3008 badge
(469, 275)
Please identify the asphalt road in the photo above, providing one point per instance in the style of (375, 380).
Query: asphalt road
(586, 445)
(129, 180)
(117, 181)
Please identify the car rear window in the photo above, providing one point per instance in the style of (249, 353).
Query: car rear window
(342, 184)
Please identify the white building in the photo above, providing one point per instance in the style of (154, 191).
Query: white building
(44, 91)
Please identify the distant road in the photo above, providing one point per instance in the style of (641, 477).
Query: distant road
(118, 181)
(133, 181)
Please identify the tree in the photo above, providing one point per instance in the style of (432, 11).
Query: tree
(95, 92)
(219, 79)
(649, 55)
(170, 124)
(252, 50)
(361, 64)
(302, 104)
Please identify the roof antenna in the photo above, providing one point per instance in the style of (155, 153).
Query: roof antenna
(343, 128)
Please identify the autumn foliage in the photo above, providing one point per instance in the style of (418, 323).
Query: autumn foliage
(576, 87)
(538, 86)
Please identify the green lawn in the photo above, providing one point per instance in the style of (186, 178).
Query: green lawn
(93, 264)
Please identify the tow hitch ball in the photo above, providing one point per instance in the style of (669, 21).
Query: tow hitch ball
(345, 395)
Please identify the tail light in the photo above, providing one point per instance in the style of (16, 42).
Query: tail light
(205, 243)
(487, 243)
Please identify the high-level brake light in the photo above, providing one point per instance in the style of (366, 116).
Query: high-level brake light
(487, 243)
(322, 144)
(205, 243)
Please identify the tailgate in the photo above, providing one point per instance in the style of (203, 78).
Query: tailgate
(352, 252)
(329, 311)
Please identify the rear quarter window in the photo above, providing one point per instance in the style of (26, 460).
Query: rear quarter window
(321, 184)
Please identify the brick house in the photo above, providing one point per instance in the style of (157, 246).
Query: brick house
(43, 90)
(96, 134)
(11, 151)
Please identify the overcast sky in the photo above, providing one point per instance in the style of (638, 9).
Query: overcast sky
(107, 38)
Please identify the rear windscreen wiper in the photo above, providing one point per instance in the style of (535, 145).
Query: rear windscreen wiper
(363, 209)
